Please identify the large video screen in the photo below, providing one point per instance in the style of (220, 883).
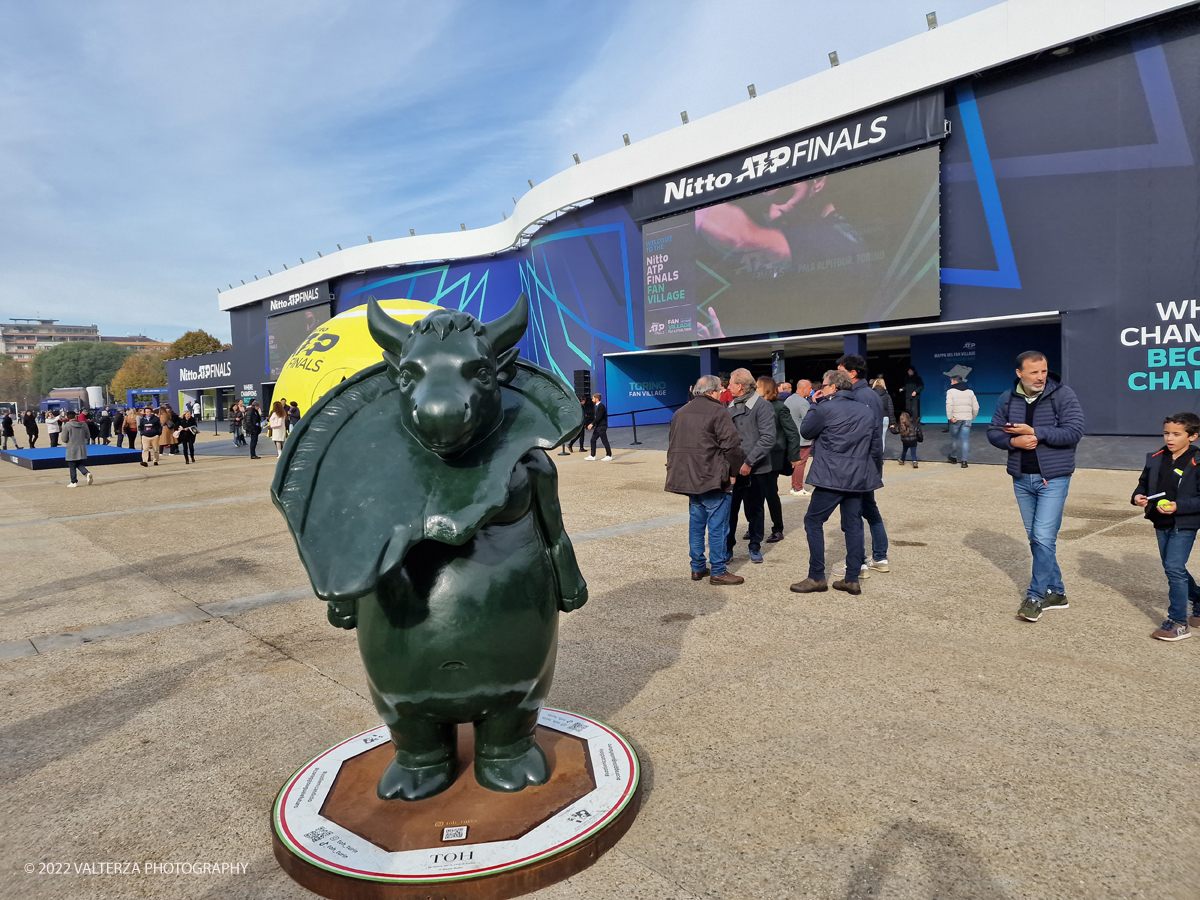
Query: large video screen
(287, 332)
(854, 247)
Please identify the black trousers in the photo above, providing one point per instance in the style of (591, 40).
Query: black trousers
(771, 495)
(820, 507)
(254, 443)
(187, 442)
(748, 492)
(32, 440)
(600, 434)
(54, 439)
(583, 433)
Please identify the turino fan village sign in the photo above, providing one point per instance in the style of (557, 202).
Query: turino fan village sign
(470, 788)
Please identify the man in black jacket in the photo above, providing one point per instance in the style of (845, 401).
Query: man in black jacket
(844, 432)
(149, 430)
(856, 367)
(704, 453)
(599, 428)
(253, 426)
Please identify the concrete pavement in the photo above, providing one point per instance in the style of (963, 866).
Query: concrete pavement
(914, 742)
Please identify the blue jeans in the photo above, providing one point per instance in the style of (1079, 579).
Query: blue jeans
(870, 512)
(1041, 504)
(960, 439)
(905, 449)
(820, 508)
(1175, 546)
(77, 466)
(708, 510)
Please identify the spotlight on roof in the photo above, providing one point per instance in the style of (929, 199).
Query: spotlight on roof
(370, 240)
(931, 20)
(256, 278)
(530, 180)
(320, 254)
(575, 156)
(462, 226)
(514, 200)
(752, 91)
(503, 213)
(285, 265)
(269, 272)
(833, 60)
(231, 287)
(625, 138)
(242, 280)
(683, 115)
(302, 260)
(412, 232)
(339, 246)
(1063, 51)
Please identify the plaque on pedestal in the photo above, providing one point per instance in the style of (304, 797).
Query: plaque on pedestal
(333, 835)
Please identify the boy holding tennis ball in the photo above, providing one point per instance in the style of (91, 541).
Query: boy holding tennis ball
(1169, 491)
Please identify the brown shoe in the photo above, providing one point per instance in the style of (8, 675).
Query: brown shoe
(850, 587)
(809, 586)
(700, 576)
(727, 578)
(1194, 622)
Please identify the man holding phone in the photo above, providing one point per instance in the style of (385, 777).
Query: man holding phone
(1039, 424)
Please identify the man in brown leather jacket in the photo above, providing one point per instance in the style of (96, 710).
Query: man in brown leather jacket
(704, 454)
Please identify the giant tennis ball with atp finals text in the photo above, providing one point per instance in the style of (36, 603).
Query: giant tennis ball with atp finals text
(338, 349)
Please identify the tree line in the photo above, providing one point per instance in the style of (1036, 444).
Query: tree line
(83, 363)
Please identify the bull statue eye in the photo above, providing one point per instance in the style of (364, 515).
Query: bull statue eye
(484, 374)
(406, 377)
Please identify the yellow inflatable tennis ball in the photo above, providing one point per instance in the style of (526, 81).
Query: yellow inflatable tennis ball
(337, 349)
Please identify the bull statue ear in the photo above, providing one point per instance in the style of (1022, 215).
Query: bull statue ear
(386, 331)
(506, 365)
(505, 331)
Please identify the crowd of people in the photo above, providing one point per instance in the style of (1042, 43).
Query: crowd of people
(730, 444)
(246, 423)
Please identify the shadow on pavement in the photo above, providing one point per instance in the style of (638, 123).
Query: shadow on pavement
(1120, 575)
(953, 870)
(1007, 554)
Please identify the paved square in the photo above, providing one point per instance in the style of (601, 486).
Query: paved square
(162, 673)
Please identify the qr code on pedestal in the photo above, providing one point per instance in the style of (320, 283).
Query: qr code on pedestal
(318, 834)
(457, 833)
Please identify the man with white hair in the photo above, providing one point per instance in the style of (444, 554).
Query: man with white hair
(704, 454)
(754, 419)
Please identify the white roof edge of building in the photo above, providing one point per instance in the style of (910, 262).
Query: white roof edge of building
(994, 36)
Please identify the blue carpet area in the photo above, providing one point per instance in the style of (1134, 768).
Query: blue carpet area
(56, 457)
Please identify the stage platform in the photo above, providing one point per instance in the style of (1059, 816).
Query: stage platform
(56, 457)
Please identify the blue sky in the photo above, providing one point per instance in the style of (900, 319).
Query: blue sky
(153, 151)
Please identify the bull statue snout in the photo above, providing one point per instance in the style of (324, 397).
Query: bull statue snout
(448, 368)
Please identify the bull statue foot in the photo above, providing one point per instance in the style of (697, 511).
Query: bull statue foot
(400, 782)
(507, 758)
(426, 761)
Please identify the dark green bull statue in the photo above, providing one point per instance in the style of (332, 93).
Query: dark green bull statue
(425, 509)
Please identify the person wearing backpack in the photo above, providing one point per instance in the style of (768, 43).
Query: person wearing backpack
(910, 435)
(1039, 423)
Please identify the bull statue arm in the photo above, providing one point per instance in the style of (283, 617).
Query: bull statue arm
(572, 589)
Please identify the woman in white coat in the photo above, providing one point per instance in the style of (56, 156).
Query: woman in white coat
(277, 422)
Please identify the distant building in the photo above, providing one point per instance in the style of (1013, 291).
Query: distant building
(22, 338)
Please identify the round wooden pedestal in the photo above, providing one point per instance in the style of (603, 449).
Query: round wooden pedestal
(335, 837)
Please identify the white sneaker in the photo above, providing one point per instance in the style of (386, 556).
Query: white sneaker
(72, 484)
(589, 457)
(878, 565)
(89, 478)
(840, 572)
(801, 493)
(606, 459)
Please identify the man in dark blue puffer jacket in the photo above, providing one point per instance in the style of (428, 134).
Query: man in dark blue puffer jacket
(1039, 423)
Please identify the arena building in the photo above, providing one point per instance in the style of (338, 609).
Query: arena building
(1020, 178)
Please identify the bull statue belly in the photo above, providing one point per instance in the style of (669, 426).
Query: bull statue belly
(425, 509)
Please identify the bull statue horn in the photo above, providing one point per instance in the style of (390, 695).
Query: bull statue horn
(505, 331)
(386, 331)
